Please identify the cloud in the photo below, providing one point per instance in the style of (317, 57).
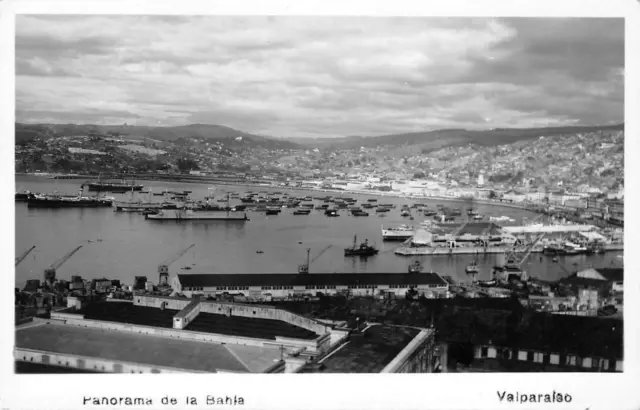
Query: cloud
(312, 76)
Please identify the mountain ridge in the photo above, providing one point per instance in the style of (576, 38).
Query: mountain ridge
(426, 140)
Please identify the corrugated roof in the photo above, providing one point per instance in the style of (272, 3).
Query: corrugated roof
(314, 279)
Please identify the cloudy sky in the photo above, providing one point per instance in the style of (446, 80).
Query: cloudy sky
(325, 77)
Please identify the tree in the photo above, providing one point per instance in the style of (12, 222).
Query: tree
(186, 164)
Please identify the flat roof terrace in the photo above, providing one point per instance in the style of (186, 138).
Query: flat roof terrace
(247, 327)
(367, 353)
(144, 349)
(124, 312)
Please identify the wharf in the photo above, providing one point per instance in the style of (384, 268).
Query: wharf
(467, 250)
(478, 250)
(548, 229)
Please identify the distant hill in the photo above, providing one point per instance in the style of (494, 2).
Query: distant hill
(424, 141)
(212, 133)
(433, 140)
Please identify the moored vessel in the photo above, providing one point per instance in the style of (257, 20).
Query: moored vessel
(60, 201)
(191, 215)
(364, 249)
(400, 233)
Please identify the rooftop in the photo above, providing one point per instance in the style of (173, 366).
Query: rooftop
(125, 312)
(366, 352)
(151, 350)
(313, 279)
(204, 322)
(247, 327)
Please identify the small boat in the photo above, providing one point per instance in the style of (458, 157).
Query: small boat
(302, 212)
(273, 211)
(331, 213)
(405, 213)
(360, 213)
(415, 267)
(472, 268)
(486, 283)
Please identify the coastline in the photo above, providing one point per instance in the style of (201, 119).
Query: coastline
(254, 184)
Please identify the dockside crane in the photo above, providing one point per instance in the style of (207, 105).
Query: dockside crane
(514, 261)
(50, 272)
(24, 255)
(304, 268)
(163, 268)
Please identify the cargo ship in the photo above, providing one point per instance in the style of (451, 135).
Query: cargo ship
(191, 215)
(119, 187)
(59, 201)
(113, 187)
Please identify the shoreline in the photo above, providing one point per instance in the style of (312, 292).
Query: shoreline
(196, 180)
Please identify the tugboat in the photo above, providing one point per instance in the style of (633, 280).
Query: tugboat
(472, 268)
(363, 250)
(415, 267)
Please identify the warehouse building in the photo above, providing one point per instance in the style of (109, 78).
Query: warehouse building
(285, 285)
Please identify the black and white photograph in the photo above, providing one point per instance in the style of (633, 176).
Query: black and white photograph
(254, 194)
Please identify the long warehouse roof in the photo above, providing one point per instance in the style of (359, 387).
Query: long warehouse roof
(313, 279)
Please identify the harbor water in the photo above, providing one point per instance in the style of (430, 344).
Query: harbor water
(120, 245)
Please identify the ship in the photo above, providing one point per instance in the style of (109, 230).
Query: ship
(119, 187)
(364, 249)
(23, 196)
(400, 233)
(191, 215)
(60, 201)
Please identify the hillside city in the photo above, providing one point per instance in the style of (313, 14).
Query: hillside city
(564, 170)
